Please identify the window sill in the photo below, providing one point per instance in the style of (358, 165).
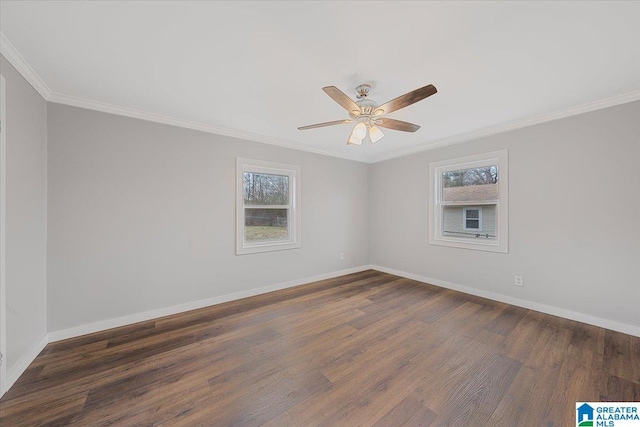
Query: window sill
(267, 247)
(487, 246)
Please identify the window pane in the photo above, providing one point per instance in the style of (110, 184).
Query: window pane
(266, 225)
(265, 189)
(473, 223)
(473, 214)
(470, 185)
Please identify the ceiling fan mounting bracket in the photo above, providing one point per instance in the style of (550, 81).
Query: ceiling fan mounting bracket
(362, 91)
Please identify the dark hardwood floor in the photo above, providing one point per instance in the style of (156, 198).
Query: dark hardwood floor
(359, 350)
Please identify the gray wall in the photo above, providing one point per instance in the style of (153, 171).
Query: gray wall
(26, 222)
(568, 178)
(142, 216)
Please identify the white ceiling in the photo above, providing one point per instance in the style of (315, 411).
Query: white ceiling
(256, 69)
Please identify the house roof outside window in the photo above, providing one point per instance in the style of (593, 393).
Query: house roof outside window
(470, 193)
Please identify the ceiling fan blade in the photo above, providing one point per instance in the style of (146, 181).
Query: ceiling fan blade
(341, 98)
(321, 125)
(407, 99)
(397, 125)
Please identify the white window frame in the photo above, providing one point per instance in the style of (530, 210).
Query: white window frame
(464, 218)
(294, 218)
(498, 158)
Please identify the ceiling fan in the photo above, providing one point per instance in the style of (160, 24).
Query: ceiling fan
(369, 116)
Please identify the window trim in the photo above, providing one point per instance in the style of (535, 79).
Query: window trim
(464, 218)
(436, 237)
(294, 218)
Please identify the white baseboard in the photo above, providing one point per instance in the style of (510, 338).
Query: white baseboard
(543, 308)
(14, 373)
(167, 311)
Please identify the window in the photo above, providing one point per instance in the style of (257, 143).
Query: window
(472, 219)
(468, 201)
(267, 206)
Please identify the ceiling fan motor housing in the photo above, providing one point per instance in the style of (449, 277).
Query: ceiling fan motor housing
(367, 106)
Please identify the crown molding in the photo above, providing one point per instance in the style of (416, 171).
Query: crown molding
(23, 67)
(430, 145)
(513, 125)
(202, 127)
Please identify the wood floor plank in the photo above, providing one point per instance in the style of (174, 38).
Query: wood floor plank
(257, 366)
(373, 402)
(621, 358)
(611, 388)
(423, 418)
(507, 320)
(475, 397)
(363, 349)
(519, 343)
(174, 402)
(489, 308)
(490, 338)
(409, 341)
(401, 413)
(317, 408)
(74, 343)
(266, 400)
(588, 337)
(550, 347)
(634, 375)
(46, 412)
(283, 420)
(526, 402)
(463, 321)
(446, 302)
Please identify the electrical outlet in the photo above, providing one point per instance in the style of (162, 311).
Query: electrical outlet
(341, 256)
(519, 281)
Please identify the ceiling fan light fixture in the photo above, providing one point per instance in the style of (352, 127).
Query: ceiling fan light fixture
(360, 131)
(353, 139)
(375, 133)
